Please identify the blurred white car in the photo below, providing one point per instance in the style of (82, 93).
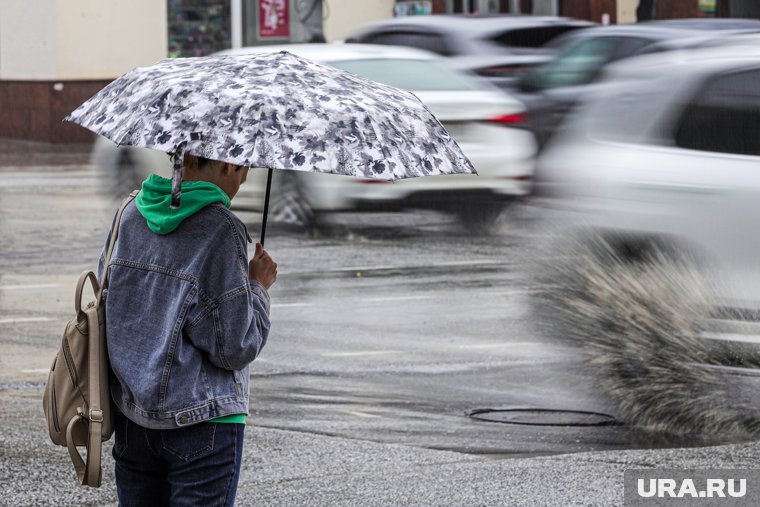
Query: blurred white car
(668, 153)
(486, 123)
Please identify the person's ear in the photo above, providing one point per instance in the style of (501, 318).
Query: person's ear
(228, 168)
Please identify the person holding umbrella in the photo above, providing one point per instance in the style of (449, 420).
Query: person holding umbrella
(186, 314)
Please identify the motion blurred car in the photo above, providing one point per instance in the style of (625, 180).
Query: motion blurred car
(551, 90)
(486, 123)
(667, 156)
(495, 47)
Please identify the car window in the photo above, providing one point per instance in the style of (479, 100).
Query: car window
(578, 64)
(724, 116)
(428, 41)
(630, 46)
(533, 37)
(416, 75)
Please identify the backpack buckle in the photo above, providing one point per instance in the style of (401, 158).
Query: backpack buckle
(96, 415)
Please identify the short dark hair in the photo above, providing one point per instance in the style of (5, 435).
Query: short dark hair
(193, 162)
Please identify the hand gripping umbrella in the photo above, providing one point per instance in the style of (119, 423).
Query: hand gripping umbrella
(276, 111)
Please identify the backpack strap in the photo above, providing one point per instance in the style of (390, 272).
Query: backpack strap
(76, 458)
(83, 278)
(96, 367)
(112, 243)
(89, 473)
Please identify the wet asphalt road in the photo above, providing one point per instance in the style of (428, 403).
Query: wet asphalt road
(388, 329)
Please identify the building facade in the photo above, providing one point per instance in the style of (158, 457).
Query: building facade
(54, 54)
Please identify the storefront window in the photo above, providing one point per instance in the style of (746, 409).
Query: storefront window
(198, 27)
(707, 7)
(412, 8)
(537, 7)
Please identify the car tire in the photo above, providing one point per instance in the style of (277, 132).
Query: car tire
(290, 204)
(120, 173)
(637, 313)
(480, 217)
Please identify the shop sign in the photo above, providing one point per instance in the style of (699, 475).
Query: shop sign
(274, 19)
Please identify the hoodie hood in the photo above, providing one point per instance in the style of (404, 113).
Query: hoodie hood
(154, 200)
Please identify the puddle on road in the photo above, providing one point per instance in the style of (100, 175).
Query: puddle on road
(377, 408)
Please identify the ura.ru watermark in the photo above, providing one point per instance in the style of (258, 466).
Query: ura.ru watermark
(711, 488)
(733, 488)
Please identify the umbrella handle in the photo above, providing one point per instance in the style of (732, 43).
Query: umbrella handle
(266, 207)
(178, 160)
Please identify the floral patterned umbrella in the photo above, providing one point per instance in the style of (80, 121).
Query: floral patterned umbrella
(273, 110)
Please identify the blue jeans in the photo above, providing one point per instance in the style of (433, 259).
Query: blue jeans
(195, 465)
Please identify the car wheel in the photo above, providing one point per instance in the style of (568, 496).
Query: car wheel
(640, 320)
(290, 205)
(121, 174)
(480, 217)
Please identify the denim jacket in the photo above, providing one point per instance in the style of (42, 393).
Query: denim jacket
(183, 321)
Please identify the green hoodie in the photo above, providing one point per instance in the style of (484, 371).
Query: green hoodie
(154, 201)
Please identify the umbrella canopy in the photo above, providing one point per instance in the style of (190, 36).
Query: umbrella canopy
(273, 110)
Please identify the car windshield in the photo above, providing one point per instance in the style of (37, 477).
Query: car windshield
(578, 64)
(416, 75)
(533, 37)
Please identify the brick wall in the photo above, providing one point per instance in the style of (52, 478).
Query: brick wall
(665, 9)
(34, 110)
(591, 10)
(678, 9)
(439, 6)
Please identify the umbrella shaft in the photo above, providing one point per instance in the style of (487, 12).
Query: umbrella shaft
(266, 206)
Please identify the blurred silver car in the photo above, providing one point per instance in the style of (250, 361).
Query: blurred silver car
(550, 91)
(496, 47)
(485, 122)
(668, 153)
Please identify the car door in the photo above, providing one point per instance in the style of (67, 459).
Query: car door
(708, 182)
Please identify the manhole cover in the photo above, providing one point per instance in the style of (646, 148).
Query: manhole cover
(543, 417)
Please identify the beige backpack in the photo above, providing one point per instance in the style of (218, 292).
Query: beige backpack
(77, 402)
